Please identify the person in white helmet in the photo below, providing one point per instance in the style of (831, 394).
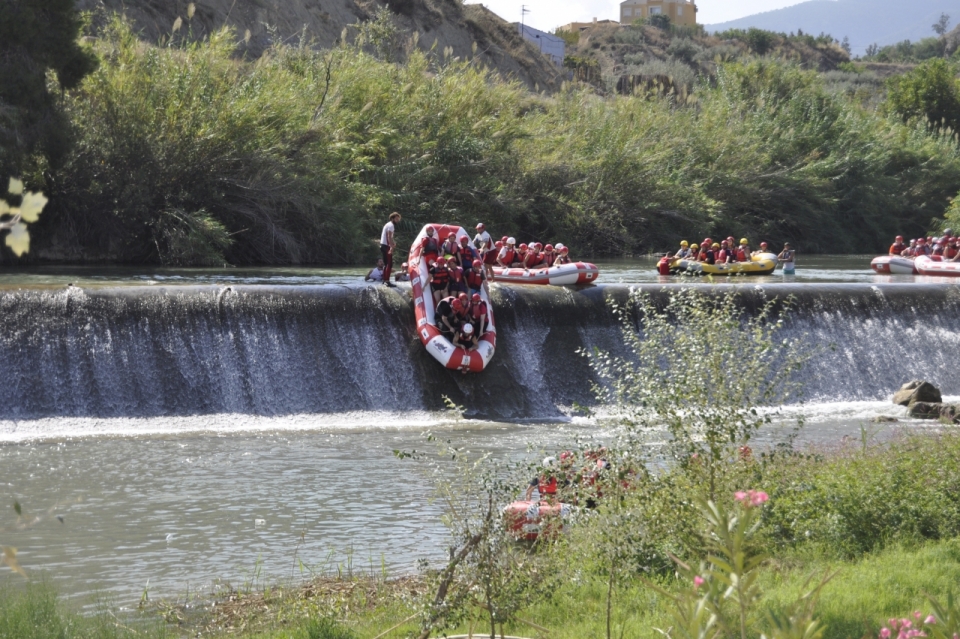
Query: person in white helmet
(508, 254)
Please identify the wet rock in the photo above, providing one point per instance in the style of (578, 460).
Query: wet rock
(924, 410)
(917, 391)
(882, 419)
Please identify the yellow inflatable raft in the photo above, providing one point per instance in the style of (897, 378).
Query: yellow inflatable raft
(759, 264)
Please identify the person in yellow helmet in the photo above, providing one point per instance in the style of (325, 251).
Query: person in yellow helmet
(684, 253)
(695, 252)
(743, 252)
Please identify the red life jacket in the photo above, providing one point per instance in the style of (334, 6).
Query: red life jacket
(474, 278)
(440, 276)
(549, 259)
(509, 257)
(547, 486)
(897, 249)
(741, 255)
(429, 246)
(531, 260)
(479, 310)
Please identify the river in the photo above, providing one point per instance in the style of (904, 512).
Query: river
(181, 430)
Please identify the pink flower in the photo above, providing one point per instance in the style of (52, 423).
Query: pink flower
(930, 620)
(916, 614)
(892, 623)
(697, 582)
(884, 633)
(740, 496)
(758, 497)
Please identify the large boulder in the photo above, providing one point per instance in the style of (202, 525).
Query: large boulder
(917, 391)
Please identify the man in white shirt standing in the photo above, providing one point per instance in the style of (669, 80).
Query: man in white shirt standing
(484, 244)
(387, 244)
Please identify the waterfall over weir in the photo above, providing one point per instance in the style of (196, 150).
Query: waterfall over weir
(273, 350)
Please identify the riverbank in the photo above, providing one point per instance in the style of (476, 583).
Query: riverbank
(885, 518)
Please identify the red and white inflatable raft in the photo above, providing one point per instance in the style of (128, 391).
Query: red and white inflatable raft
(530, 519)
(933, 266)
(562, 275)
(442, 349)
(894, 265)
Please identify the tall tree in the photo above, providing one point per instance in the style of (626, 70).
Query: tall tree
(930, 92)
(37, 36)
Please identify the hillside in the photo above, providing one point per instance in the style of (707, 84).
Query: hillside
(864, 22)
(646, 51)
(444, 23)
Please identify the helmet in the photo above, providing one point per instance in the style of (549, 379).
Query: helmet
(715, 245)
(706, 241)
(523, 247)
(564, 250)
(538, 245)
(464, 239)
(548, 248)
(921, 240)
(763, 245)
(948, 231)
(913, 242)
(694, 246)
(477, 264)
(504, 239)
(441, 260)
(560, 246)
(511, 240)
(457, 305)
(549, 461)
(480, 226)
(476, 298)
(725, 243)
(468, 329)
(462, 297)
(730, 239)
(498, 244)
(743, 240)
(566, 455)
(429, 230)
(899, 238)
(684, 243)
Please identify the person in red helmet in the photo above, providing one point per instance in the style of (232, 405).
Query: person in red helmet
(707, 254)
(446, 317)
(508, 254)
(439, 279)
(563, 256)
(726, 255)
(549, 255)
(922, 248)
(764, 248)
(430, 246)
(479, 315)
(521, 257)
(951, 249)
(451, 249)
(467, 253)
(458, 282)
(532, 258)
(475, 277)
(898, 247)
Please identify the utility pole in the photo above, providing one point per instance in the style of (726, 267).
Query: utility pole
(523, 12)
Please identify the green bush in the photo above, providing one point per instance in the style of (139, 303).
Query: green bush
(930, 93)
(325, 628)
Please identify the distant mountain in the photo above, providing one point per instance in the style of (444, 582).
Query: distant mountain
(863, 21)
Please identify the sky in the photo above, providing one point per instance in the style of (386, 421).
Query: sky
(547, 15)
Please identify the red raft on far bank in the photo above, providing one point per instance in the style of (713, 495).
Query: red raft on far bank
(441, 348)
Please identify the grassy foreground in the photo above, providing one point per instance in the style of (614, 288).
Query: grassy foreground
(894, 505)
(856, 603)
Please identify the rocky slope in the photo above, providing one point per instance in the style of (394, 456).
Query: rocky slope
(446, 23)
